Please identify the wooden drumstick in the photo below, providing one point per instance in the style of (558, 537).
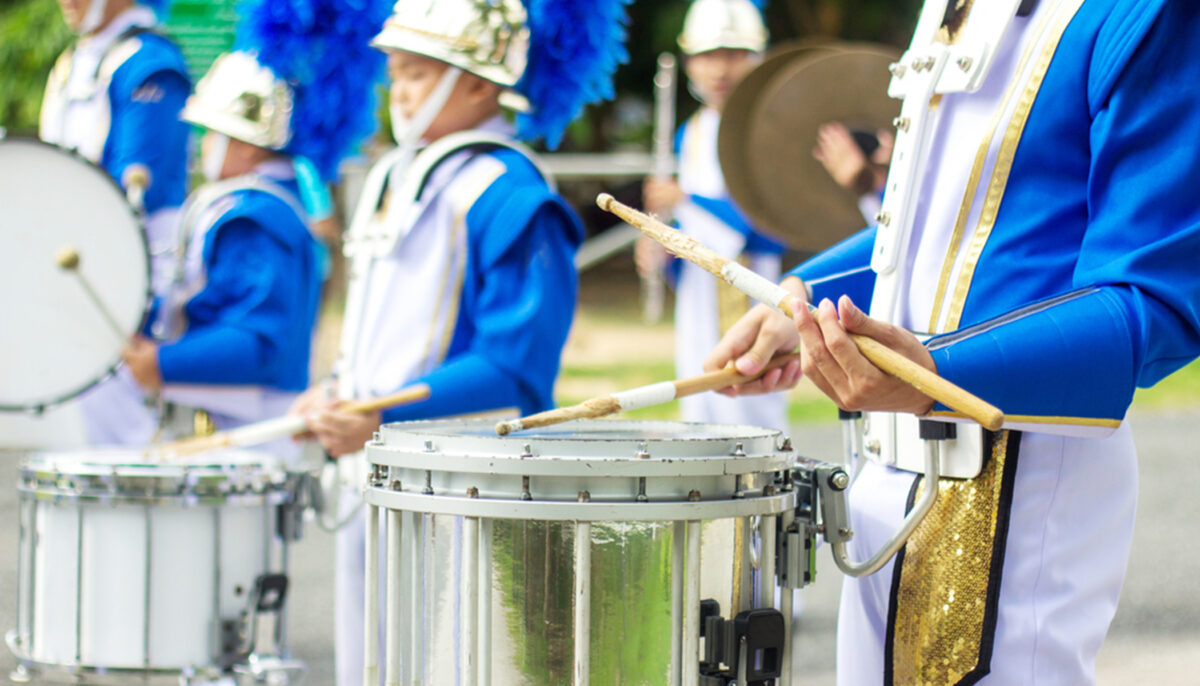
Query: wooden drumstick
(285, 426)
(765, 291)
(640, 397)
(68, 260)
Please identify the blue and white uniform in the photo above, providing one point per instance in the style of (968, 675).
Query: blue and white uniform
(1053, 257)
(704, 306)
(469, 288)
(115, 97)
(238, 327)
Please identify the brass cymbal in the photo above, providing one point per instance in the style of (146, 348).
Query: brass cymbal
(769, 130)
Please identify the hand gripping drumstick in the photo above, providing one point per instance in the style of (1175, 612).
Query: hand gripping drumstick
(644, 396)
(765, 291)
(285, 426)
(68, 260)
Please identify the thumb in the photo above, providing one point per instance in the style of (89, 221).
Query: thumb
(752, 362)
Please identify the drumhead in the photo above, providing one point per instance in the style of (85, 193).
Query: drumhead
(55, 343)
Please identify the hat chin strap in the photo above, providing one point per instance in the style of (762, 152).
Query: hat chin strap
(92, 18)
(408, 132)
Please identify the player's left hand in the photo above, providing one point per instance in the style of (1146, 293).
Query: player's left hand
(141, 356)
(831, 360)
(342, 433)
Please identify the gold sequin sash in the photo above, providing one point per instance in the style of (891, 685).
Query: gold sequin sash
(942, 614)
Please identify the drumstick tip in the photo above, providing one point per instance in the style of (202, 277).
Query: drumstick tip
(503, 428)
(605, 201)
(67, 258)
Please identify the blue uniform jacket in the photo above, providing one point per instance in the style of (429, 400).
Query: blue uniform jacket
(252, 323)
(517, 302)
(146, 95)
(1089, 285)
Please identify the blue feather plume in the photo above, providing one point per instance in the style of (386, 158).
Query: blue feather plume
(575, 47)
(321, 48)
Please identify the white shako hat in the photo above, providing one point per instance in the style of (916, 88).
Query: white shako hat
(714, 24)
(487, 38)
(243, 100)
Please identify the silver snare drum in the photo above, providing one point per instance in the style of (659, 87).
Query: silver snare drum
(132, 567)
(591, 552)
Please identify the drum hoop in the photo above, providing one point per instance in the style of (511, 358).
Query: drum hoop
(596, 511)
(444, 451)
(39, 407)
(118, 675)
(56, 475)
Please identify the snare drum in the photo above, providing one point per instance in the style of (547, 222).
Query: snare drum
(609, 552)
(130, 567)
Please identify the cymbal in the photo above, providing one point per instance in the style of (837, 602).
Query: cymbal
(769, 130)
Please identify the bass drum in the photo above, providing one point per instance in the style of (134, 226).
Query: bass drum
(56, 341)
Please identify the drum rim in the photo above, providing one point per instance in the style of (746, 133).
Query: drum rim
(519, 457)
(248, 483)
(38, 407)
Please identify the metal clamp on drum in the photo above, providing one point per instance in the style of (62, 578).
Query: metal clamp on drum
(837, 523)
(749, 649)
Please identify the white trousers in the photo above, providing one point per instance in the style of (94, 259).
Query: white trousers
(1068, 544)
(349, 588)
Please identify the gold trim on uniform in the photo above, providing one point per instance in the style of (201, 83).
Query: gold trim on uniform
(1003, 165)
(483, 179)
(941, 600)
(968, 201)
(1040, 419)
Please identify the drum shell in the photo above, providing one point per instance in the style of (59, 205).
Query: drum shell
(528, 559)
(137, 567)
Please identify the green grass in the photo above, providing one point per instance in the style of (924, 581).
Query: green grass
(1179, 390)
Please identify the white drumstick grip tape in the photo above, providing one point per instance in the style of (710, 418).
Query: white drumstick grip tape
(754, 285)
(270, 430)
(646, 396)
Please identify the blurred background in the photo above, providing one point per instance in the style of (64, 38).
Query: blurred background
(1156, 636)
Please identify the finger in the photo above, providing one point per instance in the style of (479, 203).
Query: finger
(816, 361)
(765, 346)
(736, 341)
(857, 321)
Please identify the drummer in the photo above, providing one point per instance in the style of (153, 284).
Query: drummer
(1057, 278)
(114, 96)
(234, 333)
(463, 275)
(722, 41)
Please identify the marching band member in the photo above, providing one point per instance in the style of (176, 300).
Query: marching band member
(115, 97)
(722, 41)
(461, 255)
(237, 325)
(1051, 251)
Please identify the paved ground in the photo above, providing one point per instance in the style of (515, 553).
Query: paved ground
(1155, 638)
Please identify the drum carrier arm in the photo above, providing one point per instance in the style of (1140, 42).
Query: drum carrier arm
(827, 483)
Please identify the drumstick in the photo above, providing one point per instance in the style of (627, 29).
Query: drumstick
(68, 260)
(765, 291)
(287, 425)
(644, 396)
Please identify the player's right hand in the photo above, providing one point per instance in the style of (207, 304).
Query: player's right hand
(757, 337)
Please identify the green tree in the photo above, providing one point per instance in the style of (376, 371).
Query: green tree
(32, 34)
